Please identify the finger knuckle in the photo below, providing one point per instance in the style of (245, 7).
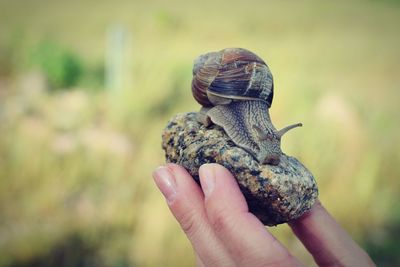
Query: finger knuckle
(221, 221)
(188, 221)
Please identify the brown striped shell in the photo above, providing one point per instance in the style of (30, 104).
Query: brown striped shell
(233, 73)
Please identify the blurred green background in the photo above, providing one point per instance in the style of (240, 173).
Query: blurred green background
(86, 88)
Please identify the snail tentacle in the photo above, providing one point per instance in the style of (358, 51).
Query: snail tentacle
(288, 128)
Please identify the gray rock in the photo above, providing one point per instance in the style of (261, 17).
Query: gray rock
(275, 194)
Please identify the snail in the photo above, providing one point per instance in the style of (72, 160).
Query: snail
(235, 88)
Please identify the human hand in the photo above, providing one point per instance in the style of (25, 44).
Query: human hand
(223, 232)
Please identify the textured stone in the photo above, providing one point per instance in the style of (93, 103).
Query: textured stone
(275, 194)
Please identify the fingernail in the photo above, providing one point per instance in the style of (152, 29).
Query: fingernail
(165, 181)
(207, 179)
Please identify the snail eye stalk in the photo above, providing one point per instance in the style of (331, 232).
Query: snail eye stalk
(261, 134)
(288, 128)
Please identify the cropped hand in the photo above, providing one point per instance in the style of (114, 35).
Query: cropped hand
(223, 232)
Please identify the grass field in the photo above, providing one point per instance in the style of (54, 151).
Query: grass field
(77, 147)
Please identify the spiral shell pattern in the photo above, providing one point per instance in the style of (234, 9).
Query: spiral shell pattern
(233, 73)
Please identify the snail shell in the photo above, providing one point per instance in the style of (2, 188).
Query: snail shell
(233, 73)
(235, 88)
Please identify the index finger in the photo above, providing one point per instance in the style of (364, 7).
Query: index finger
(245, 237)
(329, 243)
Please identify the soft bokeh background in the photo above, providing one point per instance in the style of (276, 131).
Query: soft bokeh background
(86, 88)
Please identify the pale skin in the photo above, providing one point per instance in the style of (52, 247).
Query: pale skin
(222, 231)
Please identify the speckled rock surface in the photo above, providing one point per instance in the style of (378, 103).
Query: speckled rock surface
(275, 194)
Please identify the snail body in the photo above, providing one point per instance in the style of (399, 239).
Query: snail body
(235, 88)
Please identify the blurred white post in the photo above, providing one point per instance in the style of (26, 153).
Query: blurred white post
(117, 59)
